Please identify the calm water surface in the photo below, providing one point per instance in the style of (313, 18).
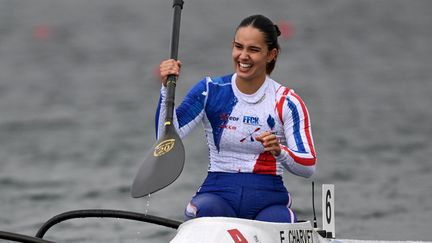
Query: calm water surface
(78, 91)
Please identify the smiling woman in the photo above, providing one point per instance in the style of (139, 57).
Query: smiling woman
(254, 126)
(255, 50)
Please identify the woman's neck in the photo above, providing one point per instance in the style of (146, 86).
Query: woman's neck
(249, 86)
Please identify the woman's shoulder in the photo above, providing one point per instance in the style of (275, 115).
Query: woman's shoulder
(280, 89)
(284, 92)
(220, 80)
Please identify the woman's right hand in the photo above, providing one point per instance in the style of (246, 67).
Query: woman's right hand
(169, 67)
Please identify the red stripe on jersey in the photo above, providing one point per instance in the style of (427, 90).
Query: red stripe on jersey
(265, 164)
(280, 103)
(300, 160)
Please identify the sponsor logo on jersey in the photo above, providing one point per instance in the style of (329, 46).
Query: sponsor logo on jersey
(251, 120)
(250, 136)
(271, 122)
(227, 117)
(229, 127)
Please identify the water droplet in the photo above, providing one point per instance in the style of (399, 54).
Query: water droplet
(147, 204)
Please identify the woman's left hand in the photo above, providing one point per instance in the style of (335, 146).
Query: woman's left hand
(270, 142)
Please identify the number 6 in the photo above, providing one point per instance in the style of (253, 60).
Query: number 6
(328, 209)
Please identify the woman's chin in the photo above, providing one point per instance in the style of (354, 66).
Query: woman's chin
(244, 74)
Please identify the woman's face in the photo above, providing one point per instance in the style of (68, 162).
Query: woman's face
(250, 54)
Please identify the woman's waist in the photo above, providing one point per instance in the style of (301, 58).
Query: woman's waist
(243, 179)
(250, 164)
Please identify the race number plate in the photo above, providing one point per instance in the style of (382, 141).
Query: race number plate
(328, 210)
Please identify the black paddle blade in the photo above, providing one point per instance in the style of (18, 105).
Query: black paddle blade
(162, 165)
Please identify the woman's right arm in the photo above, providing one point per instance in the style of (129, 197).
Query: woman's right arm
(191, 110)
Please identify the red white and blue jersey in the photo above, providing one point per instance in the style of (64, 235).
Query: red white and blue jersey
(232, 120)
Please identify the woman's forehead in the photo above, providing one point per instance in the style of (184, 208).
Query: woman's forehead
(249, 35)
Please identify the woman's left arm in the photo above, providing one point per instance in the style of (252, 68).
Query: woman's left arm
(298, 156)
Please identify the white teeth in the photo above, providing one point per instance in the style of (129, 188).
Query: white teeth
(244, 65)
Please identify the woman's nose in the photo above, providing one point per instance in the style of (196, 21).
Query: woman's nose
(243, 55)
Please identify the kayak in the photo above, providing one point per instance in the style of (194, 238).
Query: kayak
(205, 229)
(235, 230)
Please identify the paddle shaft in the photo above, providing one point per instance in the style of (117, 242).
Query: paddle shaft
(172, 79)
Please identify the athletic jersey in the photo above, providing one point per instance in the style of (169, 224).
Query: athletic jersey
(232, 120)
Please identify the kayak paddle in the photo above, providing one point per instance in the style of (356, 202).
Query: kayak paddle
(164, 162)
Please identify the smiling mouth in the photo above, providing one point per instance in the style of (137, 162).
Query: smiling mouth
(245, 66)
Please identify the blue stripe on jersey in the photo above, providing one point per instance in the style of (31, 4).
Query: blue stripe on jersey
(221, 101)
(192, 104)
(296, 126)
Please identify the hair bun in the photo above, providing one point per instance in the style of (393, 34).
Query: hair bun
(278, 32)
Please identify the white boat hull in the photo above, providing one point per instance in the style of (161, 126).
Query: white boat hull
(234, 230)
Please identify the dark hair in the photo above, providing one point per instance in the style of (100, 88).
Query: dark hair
(270, 31)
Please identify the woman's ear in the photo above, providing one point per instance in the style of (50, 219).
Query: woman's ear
(272, 55)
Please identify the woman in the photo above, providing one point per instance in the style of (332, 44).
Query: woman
(254, 126)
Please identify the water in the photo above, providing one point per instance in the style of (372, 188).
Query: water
(78, 90)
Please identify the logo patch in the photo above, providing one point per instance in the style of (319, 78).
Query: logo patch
(164, 147)
(271, 122)
(229, 127)
(250, 135)
(251, 120)
(226, 117)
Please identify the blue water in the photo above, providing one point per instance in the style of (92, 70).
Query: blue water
(78, 92)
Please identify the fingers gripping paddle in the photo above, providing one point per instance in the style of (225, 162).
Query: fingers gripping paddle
(164, 162)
